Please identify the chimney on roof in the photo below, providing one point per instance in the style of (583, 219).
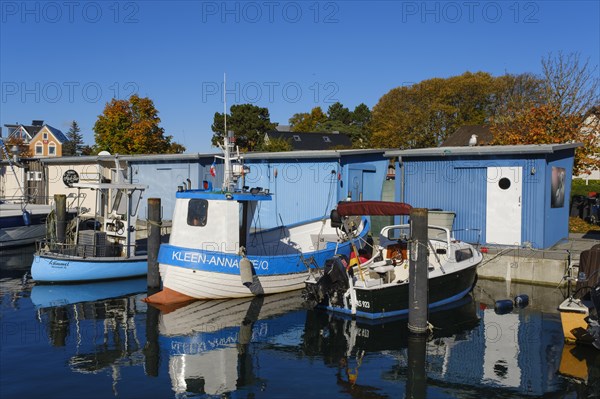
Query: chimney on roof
(37, 123)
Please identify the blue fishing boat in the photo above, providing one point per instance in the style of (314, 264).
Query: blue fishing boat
(99, 245)
(215, 251)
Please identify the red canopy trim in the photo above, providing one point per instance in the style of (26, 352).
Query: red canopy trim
(379, 208)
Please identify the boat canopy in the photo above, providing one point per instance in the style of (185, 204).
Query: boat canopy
(376, 208)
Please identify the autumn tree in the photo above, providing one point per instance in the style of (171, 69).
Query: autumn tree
(248, 122)
(75, 142)
(10, 142)
(565, 111)
(308, 122)
(570, 85)
(132, 127)
(426, 113)
(546, 125)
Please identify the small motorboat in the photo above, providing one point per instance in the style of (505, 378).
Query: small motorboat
(579, 311)
(376, 287)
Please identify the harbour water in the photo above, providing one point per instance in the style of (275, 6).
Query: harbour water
(100, 341)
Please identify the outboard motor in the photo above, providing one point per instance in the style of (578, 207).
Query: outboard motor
(332, 285)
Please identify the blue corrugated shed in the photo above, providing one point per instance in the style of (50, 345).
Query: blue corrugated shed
(306, 184)
(500, 194)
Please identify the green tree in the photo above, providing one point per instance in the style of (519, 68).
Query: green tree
(249, 124)
(337, 112)
(275, 144)
(361, 116)
(132, 127)
(75, 140)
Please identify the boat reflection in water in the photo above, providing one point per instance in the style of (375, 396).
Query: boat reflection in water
(209, 341)
(98, 319)
(345, 343)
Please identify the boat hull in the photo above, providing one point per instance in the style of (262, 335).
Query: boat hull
(12, 237)
(211, 275)
(573, 314)
(56, 268)
(392, 299)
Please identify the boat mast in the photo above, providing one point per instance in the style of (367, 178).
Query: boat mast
(228, 147)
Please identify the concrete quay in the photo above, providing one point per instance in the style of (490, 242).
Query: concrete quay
(535, 266)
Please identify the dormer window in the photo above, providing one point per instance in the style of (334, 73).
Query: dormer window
(326, 139)
(297, 138)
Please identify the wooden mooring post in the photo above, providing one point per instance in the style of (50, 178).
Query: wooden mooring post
(418, 272)
(60, 204)
(153, 225)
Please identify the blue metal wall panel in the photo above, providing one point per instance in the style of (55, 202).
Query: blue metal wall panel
(459, 184)
(303, 190)
(557, 219)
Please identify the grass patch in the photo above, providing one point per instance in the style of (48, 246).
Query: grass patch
(579, 187)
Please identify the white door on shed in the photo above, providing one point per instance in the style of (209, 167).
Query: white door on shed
(503, 210)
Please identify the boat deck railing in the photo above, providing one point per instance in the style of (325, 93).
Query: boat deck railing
(105, 250)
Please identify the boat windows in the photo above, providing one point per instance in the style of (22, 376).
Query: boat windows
(463, 254)
(398, 234)
(197, 212)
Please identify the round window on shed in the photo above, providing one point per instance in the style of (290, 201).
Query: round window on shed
(504, 183)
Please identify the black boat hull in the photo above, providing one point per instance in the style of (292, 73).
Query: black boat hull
(392, 300)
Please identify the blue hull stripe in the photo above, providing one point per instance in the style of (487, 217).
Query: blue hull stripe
(400, 312)
(218, 262)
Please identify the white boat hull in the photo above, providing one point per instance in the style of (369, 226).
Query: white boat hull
(210, 285)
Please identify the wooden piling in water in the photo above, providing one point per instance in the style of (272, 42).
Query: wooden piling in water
(60, 203)
(416, 385)
(418, 285)
(153, 223)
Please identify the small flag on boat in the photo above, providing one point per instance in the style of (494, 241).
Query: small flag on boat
(213, 169)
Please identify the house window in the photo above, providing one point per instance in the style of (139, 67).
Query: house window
(39, 149)
(326, 139)
(52, 149)
(297, 138)
(45, 136)
(197, 212)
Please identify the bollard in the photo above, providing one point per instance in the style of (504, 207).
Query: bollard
(153, 225)
(60, 203)
(418, 272)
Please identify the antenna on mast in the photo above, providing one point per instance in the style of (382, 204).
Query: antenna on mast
(225, 104)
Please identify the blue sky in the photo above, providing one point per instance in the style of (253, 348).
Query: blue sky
(63, 61)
